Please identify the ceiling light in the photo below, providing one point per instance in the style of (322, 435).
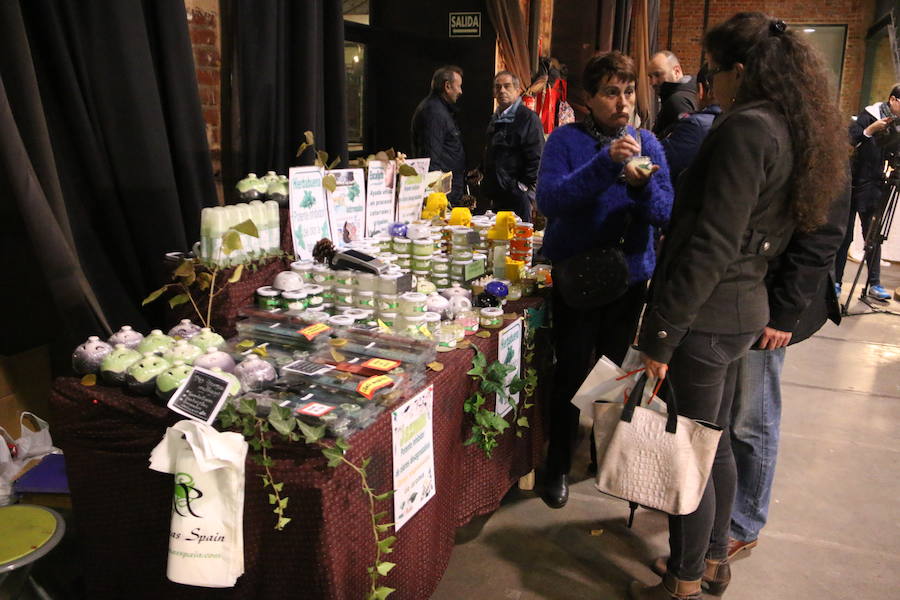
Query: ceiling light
(809, 30)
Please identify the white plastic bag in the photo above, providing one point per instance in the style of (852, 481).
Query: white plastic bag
(16, 453)
(206, 541)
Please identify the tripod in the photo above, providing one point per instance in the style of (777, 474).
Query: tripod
(879, 228)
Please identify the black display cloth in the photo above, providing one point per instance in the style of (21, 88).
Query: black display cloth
(122, 508)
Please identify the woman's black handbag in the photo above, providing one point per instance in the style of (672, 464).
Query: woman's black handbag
(592, 279)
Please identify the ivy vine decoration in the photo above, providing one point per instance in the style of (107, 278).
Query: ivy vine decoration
(193, 277)
(321, 160)
(491, 379)
(258, 432)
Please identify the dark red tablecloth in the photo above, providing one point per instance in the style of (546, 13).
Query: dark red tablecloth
(122, 508)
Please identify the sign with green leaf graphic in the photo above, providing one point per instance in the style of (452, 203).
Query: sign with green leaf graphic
(509, 352)
(382, 180)
(309, 210)
(347, 205)
(411, 190)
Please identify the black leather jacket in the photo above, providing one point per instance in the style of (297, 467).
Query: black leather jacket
(511, 157)
(435, 135)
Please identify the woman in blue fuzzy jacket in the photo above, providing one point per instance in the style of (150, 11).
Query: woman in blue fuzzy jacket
(592, 196)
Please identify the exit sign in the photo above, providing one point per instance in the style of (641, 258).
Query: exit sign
(465, 24)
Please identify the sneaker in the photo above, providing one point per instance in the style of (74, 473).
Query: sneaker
(879, 293)
(837, 290)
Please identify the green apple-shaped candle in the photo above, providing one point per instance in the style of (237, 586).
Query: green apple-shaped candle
(141, 376)
(234, 386)
(157, 342)
(207, 338)
(183, 351)
(169, 380)
(116, 363)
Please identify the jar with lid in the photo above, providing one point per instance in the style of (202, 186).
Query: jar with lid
(388, 302)
(343, 296)
(365, 299)
(411, 324)
(468, 320)
(412, 303)
(322, 275)
(432, 321)
(388, 318)
(384, 242)
(404, 262)
(440, 265)
(421, 263)
(314, 296)
(515, 292)
(294, 300)
(491, 317)
(401, 246)
(343, 278)
(366, 282)
(446, 336)
(268, 298)
(459, 236)
(387, 282)
(458, 269)
(422, 247)
(340, 321)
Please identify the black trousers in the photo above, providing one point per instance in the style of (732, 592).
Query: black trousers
(873, 261)
(703, 372)
(580, 338)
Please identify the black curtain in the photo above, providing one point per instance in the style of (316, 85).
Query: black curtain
(288, 78)
(106, 159)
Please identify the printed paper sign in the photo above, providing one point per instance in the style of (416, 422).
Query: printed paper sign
(411, 191)
(347, 206)
(509, 352)
(200, 396)
(382, 180)
(309, 210)
(413, 444)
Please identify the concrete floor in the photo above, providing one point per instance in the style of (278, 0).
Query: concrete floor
(834, 521)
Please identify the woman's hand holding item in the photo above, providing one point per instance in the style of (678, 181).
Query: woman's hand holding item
(622, 149)
(636, 176)
(654, 368)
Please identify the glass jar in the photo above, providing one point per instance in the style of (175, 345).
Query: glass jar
(388, 318)
(268, 298)
(343, 296)
(411, 324)
(458, 269)
(387, 283)
(359, 315)
(340, 321)
(459, 236)
(445, 336)
(421, 263)
(387, 257)
(462, 253)
(384, 242)
(432, 321)
(366, 282)
(314, 316)
(327, 294)
(412, 303)
(515, 292)
(294, 300)
(404, 262)
(422, 247)
(441, 282)
(440, 265)
(388, 302)
(303, 268)
(468, 320)
(401, 246)
(491, 317)
(343, 278)
(365, 299)
(314, 296)
(322, 275)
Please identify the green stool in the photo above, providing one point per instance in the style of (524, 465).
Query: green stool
(27, 534)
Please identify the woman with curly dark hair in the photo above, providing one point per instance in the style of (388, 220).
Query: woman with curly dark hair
(773, 162)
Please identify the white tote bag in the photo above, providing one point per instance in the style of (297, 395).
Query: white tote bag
(660, 461)
(206, 541)
(32, 444)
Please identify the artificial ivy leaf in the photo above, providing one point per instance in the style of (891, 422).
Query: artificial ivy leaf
(334, 456)
(311, 434)
(247, 227)
(484, 333)
(255, 444)
(436, 366)
(321, 158)
(302, 149)
(329, 183)
(247, 406)
(236, 276)
(282, 521)
(384, 568)
(282, 420)
(464, 344)
(385, 544)
(334, 163)
(156, 294)
(517, 385)
(407, 171)
(185, 268)
(244, 345)
(309, 137)
(179, 299)
(529, 357)
(282, 504)
(204, 280)
(384, 496)
(380, 593)
(231, 241)
(377, 517)
(522, 421)
(89, 380)
(273, 499)
(384, 528)
(342, 444)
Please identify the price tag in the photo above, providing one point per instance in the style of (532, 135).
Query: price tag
(312, 331)
(368, 387)
(382, 364)
(314, 409)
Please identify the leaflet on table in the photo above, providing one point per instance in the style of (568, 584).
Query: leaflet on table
(413, 446)
(411, 191)
(382, 180)
(509, 352)
(309, 210)
(347, 206)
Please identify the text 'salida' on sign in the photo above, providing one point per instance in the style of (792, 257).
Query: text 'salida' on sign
(465, 24)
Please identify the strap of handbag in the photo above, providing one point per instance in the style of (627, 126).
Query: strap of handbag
(637, 393)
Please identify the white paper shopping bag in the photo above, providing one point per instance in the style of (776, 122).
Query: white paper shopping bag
(206, 543)
(15, 454)
(606, 381)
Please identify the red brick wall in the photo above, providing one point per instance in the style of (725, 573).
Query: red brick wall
(687, 30)
(203, 24)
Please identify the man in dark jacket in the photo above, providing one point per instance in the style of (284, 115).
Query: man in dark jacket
(684, 137)
(801, 298)
(435, 133)
(676, 91)
(874, 130)
(512, 153)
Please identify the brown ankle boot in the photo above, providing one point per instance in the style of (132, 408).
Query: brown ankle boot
(716, 576)
(669, 589)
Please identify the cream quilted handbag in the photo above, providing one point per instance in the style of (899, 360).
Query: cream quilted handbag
(656, 460)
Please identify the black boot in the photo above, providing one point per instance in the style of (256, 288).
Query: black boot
(556, 490)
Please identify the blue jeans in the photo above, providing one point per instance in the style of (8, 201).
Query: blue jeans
(755, 426)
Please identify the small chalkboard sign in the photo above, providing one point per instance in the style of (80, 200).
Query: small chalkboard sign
(200, 396)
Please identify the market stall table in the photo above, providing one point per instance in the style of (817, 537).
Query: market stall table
(122, 508)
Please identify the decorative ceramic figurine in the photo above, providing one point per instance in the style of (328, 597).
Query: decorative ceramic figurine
(459, 304)
(251, 188)
(169, 380)
(255, 374)
(278, 191)
(212, 359)
(437, 304)
(141, 376)
(234, 386)
(185, 330)
(88, 357)
(497, 289)
(455, 290)
(436, 204)
(287, 281)
(461, 215)
(157, 342)
(183, 351)
(207, 338)
(126, 336)
(116, 363)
